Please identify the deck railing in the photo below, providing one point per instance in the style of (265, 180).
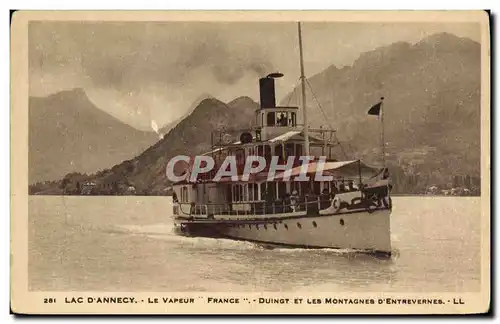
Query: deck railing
(368, 200)
(255, 207)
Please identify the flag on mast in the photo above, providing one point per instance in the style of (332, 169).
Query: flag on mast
(375, 109)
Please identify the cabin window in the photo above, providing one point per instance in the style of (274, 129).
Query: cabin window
(229, 193)
(293, 119)
(253, 192)
(250, 192)
(240, 157)
(289, 150)
(245, 192)
(263, 191)
(304, 187)
(281, 189)
(278, 151)
(271, 188)
(282, 119)
(271, 118)
(298, 150)
(237, 193)
(184, 194)
(316, 187)
(267, 152)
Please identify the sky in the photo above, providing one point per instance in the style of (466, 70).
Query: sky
(143, 71)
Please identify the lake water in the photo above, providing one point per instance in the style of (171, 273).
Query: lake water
(127, 244)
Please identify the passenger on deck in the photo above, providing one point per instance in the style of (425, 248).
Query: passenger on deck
(294, 199)
(269, 197)
(282, 120)
(285, 202)
(386, 174)
(324, 199)
(334, 190)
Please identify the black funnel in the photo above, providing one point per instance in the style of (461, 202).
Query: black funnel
(267, 93)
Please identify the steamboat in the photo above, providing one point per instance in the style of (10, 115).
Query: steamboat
(284, 203)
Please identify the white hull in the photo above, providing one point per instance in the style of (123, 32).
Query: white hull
(359, 230)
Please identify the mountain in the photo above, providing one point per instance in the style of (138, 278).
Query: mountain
(243, 103)
(431, 107)
(168, 127)
(67, 133)
(147, 172)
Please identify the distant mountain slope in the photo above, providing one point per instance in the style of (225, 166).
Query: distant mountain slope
(168, 127)
(431, 109)
(147, 172)
(67, 133)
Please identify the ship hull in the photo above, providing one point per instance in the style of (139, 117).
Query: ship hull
(366, 231)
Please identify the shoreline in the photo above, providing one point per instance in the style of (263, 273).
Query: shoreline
(392, 195)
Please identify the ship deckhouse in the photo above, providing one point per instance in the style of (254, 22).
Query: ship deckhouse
(277, 133)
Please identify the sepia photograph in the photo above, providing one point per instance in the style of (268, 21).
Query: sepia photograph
(250, 162)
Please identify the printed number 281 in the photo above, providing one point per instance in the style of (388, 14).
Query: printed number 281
(49, 300)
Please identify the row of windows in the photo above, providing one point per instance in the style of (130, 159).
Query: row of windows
(250, 191)
(245, 192)
(284, 151)
(280, 118)
(272, 191)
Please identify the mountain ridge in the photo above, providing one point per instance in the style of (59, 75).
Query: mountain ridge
(68, 133)
(432, 99)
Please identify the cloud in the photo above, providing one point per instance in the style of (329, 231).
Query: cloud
(136, 66)
(120, 55)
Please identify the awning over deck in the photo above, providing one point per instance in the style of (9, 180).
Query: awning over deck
(341, 169)
(351, 168)
(262, 176)
(284, 137)
(294, 135)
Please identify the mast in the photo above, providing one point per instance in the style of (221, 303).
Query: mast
(382, 130)
(303, 82)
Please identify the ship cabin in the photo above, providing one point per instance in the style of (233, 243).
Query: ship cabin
(276, 133)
